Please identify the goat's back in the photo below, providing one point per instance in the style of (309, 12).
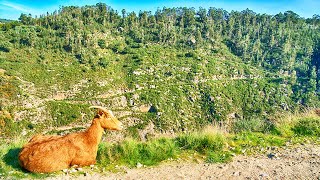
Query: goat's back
(48, 153)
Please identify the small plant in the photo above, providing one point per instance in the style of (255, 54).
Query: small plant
(64, 113)
(102, 43)
(248, 141)
(201, 142)
(307, 127)
(103, 62)
(253, 125)
(218, 157)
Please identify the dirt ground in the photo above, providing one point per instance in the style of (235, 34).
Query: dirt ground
(290, 162)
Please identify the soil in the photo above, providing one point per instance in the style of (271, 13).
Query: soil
(290, 162)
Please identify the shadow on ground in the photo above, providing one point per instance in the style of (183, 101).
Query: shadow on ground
(11, 158)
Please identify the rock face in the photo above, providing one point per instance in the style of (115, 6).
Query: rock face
(147, 131)
(120, 102)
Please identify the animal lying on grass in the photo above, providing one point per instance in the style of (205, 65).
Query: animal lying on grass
(43, 154)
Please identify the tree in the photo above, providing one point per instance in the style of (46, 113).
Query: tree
(25, 19)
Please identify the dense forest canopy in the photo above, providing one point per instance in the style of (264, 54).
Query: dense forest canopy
(275, 43)
(262, 63)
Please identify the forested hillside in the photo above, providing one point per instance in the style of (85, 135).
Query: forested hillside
(178, 69)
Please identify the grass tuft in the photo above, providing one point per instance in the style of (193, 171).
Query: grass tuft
(218, 157)
(130, 152)
(307, 127)
(201, 142)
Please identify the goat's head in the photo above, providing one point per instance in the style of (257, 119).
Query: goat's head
(107, 119)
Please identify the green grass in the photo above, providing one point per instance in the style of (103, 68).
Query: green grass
(64, 113)
(250, 142)
(252, 125)
(131, 152)
(219, 157)
(307, 127)
(200, 142)
(208, 146)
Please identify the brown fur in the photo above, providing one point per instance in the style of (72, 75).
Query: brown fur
(52, 153)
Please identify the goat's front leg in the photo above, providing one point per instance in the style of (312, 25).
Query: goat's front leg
(83, 161)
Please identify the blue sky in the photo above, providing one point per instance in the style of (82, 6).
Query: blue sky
(11, 9)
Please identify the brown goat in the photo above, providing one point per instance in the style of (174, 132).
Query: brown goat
(43, 154)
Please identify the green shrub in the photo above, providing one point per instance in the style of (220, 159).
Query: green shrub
(5, 46)
(201, 142)
(103, 62)
(64, 113)
(307, 127)
(131, 152)
(102, 43)
(284, 130)
(9, 127)
(218, 157)
(253, 125)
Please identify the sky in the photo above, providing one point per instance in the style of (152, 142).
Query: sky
(12, 9)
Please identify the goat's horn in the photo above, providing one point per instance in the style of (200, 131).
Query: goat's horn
(102, 108)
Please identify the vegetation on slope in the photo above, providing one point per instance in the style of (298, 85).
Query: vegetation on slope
(178, 70)
(192, 67)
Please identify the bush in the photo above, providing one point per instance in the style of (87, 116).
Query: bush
(102, 43)
(201, 142)
(103, 62)
(191, 54)
(64, 113)
(131, 152)
(253, 125)
(5, 46)
(307, 127)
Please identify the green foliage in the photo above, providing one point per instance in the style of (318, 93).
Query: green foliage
(284, 130)
(215, 147)
(248, 141)
(5, 46)
(11, 128)
(201, 142)
(253, 125)
(103, 62)
(218, 157)
(8, 87)
(307, 127)
(102, 43)
(196, 67)
(116, 47)
(64, 113)
(131, 152)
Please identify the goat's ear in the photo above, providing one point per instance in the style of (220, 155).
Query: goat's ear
(100, 113)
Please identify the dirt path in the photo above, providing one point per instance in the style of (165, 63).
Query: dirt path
(298, 162)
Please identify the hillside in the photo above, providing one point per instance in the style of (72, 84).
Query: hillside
(176, 70)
